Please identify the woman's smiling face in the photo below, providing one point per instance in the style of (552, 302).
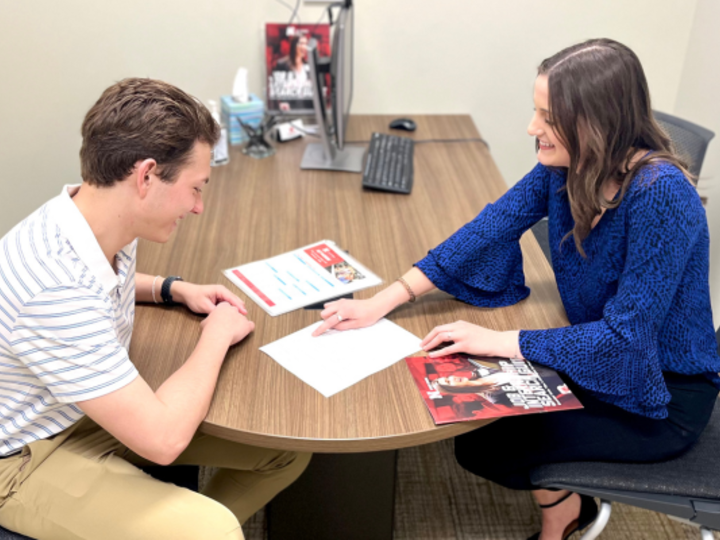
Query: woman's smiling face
(551, 151)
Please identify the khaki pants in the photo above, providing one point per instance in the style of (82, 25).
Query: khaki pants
(83, 484)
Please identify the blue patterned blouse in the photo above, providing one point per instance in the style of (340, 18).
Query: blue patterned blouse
(638, 305)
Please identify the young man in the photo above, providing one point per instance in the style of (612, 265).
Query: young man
(75, 416)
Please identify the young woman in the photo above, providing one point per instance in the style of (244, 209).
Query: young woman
(296, 60)
(297, 83)
(629, 242)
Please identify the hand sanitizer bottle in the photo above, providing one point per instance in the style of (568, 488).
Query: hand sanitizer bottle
(220, 154)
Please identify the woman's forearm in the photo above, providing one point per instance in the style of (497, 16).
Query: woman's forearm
(396, 294)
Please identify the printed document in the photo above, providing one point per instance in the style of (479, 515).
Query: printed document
(306, 276)
(336, 360)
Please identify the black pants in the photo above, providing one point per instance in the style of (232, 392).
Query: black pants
(506, 451)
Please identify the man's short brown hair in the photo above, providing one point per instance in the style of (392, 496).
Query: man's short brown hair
(137, 119)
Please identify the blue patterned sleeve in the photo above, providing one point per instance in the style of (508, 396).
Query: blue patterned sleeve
(481, 263)
(617, 356)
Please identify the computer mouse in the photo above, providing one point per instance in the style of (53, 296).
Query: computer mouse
(403, 123)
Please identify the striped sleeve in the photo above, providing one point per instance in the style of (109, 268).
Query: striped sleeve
(66, 336)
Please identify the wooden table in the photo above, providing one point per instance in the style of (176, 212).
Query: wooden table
(255, 209)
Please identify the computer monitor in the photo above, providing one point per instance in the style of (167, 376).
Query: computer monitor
(341, 73)
(331, 153)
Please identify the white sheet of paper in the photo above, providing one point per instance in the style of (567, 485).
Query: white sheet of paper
(336, 360)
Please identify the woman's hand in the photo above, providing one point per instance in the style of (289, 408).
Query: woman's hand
(472, 339)
(204, 298)
(348, 314)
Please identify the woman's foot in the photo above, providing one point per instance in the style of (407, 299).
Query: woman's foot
(560, 518)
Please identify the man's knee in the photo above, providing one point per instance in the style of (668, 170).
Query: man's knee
(300, 461)
(201, 518)
(289, 461)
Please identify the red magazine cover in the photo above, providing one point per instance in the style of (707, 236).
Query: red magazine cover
(461, 387)
(289, 87)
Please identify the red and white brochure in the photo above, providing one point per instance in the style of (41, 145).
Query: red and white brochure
(300, 278)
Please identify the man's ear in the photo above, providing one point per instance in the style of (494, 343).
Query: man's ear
(145, 174)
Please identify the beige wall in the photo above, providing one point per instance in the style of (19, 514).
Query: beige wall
(480, 56)
(413, 56)
(698, 101)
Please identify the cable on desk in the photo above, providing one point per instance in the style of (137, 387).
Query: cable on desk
(420, 141)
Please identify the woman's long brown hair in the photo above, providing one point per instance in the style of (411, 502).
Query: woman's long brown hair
(600, 108)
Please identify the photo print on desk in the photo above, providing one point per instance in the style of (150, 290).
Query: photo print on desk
(338, 268)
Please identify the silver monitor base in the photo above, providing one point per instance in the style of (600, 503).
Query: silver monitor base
(348, 159)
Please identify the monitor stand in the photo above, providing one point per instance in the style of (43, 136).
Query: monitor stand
(348, 159)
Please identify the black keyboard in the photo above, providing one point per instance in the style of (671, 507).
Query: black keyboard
(389, 165)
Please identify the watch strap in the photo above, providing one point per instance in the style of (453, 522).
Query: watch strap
(165, 290)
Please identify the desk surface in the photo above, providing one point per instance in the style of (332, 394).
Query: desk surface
(255, 209)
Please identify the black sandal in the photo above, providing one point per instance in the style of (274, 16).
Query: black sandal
(588, 513)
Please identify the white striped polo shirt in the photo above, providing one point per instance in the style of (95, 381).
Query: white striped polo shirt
(66, 321)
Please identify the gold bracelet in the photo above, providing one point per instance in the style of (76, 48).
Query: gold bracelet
(407, 288)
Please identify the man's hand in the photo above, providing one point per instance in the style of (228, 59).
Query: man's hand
(204, 298)
(226, 322)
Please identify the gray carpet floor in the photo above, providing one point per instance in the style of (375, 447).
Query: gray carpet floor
(438, 500)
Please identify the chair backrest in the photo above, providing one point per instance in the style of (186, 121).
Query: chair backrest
(690, 140)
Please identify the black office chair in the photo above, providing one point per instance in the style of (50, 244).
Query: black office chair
(691, 142)
(687, 487)
(9, 535)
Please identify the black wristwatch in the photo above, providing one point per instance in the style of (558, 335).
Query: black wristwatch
(165, 290)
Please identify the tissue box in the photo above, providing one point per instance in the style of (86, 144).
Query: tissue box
(250, 113)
